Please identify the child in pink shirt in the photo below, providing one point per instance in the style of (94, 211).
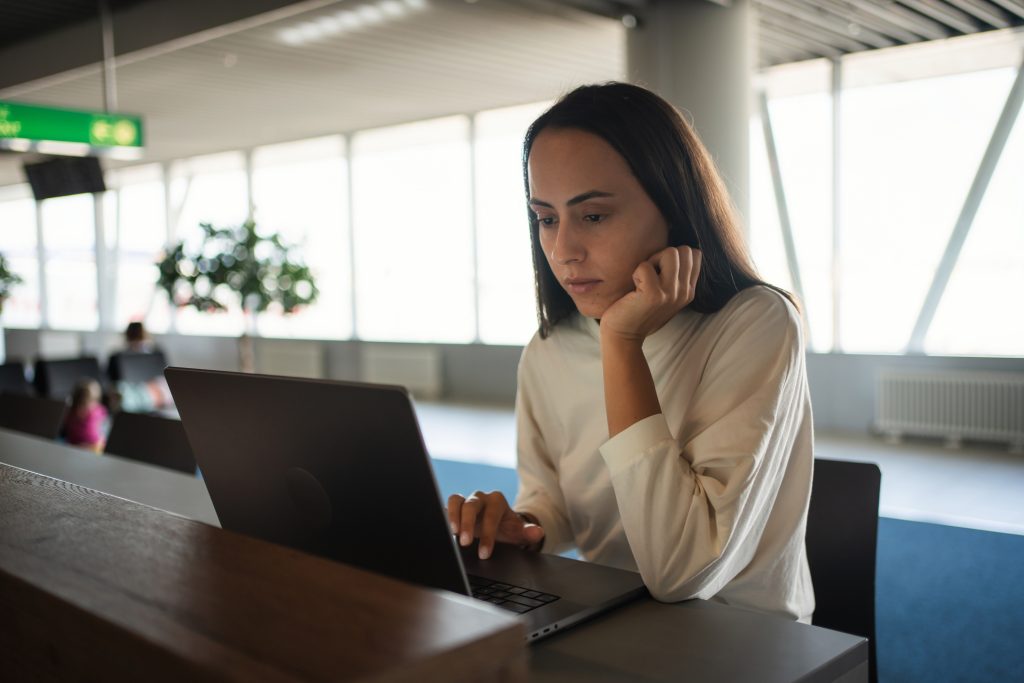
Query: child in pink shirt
(86, 418)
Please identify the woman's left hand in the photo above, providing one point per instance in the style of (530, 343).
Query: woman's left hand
(665, 284)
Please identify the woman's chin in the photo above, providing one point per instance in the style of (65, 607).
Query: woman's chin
(591, 309)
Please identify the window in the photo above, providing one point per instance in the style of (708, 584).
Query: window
(914, 124)
(209, 189)
(766, 243)
(18, 244)
(910, 151)
(507, 307)
(138, 237)
(438, 246)
(69, 240)
(800, 106)
(413, 232)
(980, 312)
(300, 190)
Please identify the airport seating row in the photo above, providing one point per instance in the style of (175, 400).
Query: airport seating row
(153, 439)
(56, 378)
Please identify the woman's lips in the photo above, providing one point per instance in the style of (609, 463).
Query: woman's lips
(581, 285)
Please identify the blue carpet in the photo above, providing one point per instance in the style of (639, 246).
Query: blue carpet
(950, 601)
(949, 604)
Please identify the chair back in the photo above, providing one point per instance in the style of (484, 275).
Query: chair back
(842, 537)
(151, 439)
(136, 366)
(31, 414)
(12, 378)
(57, 378)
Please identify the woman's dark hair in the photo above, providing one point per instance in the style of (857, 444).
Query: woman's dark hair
(675, 170)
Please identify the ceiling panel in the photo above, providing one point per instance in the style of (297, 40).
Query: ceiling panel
(795, 30)
(250, 86)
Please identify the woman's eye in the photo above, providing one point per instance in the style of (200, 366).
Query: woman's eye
(546, 220)
(593, 218)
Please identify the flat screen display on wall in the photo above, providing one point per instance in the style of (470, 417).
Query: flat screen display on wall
(62, 176)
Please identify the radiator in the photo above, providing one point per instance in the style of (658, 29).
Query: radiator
(987, 406)
(414, 366)
(291, 358)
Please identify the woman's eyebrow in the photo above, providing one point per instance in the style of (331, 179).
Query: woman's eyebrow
(578, 199)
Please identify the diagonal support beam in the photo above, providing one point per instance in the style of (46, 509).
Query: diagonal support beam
(837, 231)
(780, 200)
(1004, 126)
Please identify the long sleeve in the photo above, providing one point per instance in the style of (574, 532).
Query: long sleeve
(695, 505)
(539, 493)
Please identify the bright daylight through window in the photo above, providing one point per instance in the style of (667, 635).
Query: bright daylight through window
(418, 232)
(413, 232)
(914, 125)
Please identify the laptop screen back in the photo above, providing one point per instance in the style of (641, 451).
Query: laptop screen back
(336, 469)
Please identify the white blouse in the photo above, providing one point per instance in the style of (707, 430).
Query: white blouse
(707, 499)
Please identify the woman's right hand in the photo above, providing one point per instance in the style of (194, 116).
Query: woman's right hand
(489, 517)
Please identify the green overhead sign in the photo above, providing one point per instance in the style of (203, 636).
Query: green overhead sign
(96, 129)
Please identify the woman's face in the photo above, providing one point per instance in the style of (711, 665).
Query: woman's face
(596, 222)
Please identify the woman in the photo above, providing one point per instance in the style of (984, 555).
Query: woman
(663, 416)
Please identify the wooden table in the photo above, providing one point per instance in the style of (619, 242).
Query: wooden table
(94, 587)
(645, 640)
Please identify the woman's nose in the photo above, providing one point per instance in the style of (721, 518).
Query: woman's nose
(567, 247)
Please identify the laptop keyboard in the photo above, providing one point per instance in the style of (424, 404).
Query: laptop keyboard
(513, 598)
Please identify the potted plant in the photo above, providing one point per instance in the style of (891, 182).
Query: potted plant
(237, 265)
(8, 280)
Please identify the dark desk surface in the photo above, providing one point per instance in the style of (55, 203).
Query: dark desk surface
(644, 641)
(94, 587)
(697, 641)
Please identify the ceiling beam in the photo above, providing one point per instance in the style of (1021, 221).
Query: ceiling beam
(948, 15)
(827, 21)
(802, 41)
(852, 14)
(788, 50)
(905, 18)
(987, 12)
(812, 31)
(1015, 7)
(770, 56)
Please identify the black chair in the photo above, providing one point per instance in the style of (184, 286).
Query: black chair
(57, 378)
(134, 366)
(12, 379)
(842, 537)
(151, 439)
(33, 415)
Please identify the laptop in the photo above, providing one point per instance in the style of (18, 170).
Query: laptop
(339, 469)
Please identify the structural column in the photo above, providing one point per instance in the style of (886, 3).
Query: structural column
(700, 56)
